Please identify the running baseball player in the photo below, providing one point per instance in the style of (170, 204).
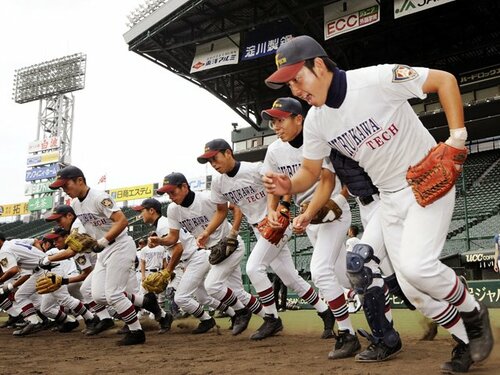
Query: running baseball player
(17, 255)
(106, 223)
(193, 211)
(65, 217)
(196, 265)
(365, 115)
(327, 229)
(240, 184)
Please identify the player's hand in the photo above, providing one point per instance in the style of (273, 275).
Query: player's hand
(277, 183)
(202, 239)
(301, 222)
(153, 241)
(273, 219)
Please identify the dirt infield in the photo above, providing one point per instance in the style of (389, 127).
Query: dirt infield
(179, 352)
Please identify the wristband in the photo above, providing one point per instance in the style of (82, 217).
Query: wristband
(457, 138)
(45, 261)
(64, 281)
(233, 233)
(340, 200)
(285, 204)
(103, 242)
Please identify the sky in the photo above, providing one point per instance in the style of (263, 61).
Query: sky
(134, 121)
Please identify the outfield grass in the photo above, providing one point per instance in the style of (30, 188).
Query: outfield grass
(406, 321)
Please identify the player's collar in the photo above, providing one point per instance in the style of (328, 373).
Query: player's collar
(337, 90)
(85, 196)
(298, 141)
(188, 200)
(235, 170)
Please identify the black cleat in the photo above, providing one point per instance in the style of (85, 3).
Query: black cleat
(460, 358)
(68, 326)
(10, 323)
(150, 303)
(328, 323)
(347, 345)
(102, 325)
(241, 319)
(378, 351)
(270, 327)
(124, 330)
(166, 323)
(204, 326)
(133, 338)
(90, 324)
(477, 325)
(28, 329)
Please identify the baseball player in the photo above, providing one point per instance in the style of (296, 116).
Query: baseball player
(196, 265)
(17, 255)
(352, 237)
(194, 213)
(240, 184)
(65, 217)
(365, 115)
(105, 222)
(327, 233)
(51, 302)
(497, 253)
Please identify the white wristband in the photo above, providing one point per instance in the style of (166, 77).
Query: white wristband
(457, 138)
(46, 261)
(340, 200)
(103, 242)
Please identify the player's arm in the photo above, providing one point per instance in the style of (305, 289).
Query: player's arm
(215, 222)
(320, 197)
(280, 184)
(273, 201)
(61, 255)
(170, 239)
(80, 277)
(175, 257)
(120, 223)
(142, 265)
(10, 273)
(237, 218)
(446, 87)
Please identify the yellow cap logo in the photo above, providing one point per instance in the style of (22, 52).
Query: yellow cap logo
(280, 60)
(277, 104)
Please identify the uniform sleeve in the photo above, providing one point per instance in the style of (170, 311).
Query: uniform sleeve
(173, 216)
(315, 146)
(77, 225)
(402, 82)
(216, 194)
(269, 165)
(106, 205)
(327, 164)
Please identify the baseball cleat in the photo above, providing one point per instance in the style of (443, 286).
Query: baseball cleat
(347, 345)
(477, 325)
(204, 326)
(328, 322)
(28, 329)
(68, 326)
(124, 330)
(102, 325)
(270, 327)
(378, 352)
(10, 323)
(241, 319)
(460, 358)
(133, 338)
(166, 323)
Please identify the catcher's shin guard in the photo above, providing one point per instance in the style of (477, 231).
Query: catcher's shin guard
(360, 276)
(394, 288)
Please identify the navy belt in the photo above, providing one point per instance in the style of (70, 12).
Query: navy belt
(366, 200)
(152, 269)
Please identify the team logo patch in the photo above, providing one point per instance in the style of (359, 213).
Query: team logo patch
(108, 203)
(4, 262)
(403, 73)
(81, 260)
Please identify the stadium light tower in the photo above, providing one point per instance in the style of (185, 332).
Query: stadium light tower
(52, 82)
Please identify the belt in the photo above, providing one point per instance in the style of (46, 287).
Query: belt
(152, 269)
(367, 200)
(36, 269)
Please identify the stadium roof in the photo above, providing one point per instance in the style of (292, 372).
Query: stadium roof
(459, 36)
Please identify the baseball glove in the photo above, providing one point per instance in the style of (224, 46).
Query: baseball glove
(222, 250)
(436, 174)
(274, 235)
(156, 282)
(81, 242)
(48, 283)
(329, 212)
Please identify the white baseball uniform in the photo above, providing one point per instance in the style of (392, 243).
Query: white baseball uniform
(385, 137)
(223, 281)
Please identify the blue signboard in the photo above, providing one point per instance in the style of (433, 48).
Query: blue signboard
(266, 39)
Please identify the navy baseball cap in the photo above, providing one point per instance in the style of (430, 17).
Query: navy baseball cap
(171, 181)
(149, 203)
(55, 233)
(282, 108)
(290, 58)
(65, 174)
(212, 148)
(59, 211)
